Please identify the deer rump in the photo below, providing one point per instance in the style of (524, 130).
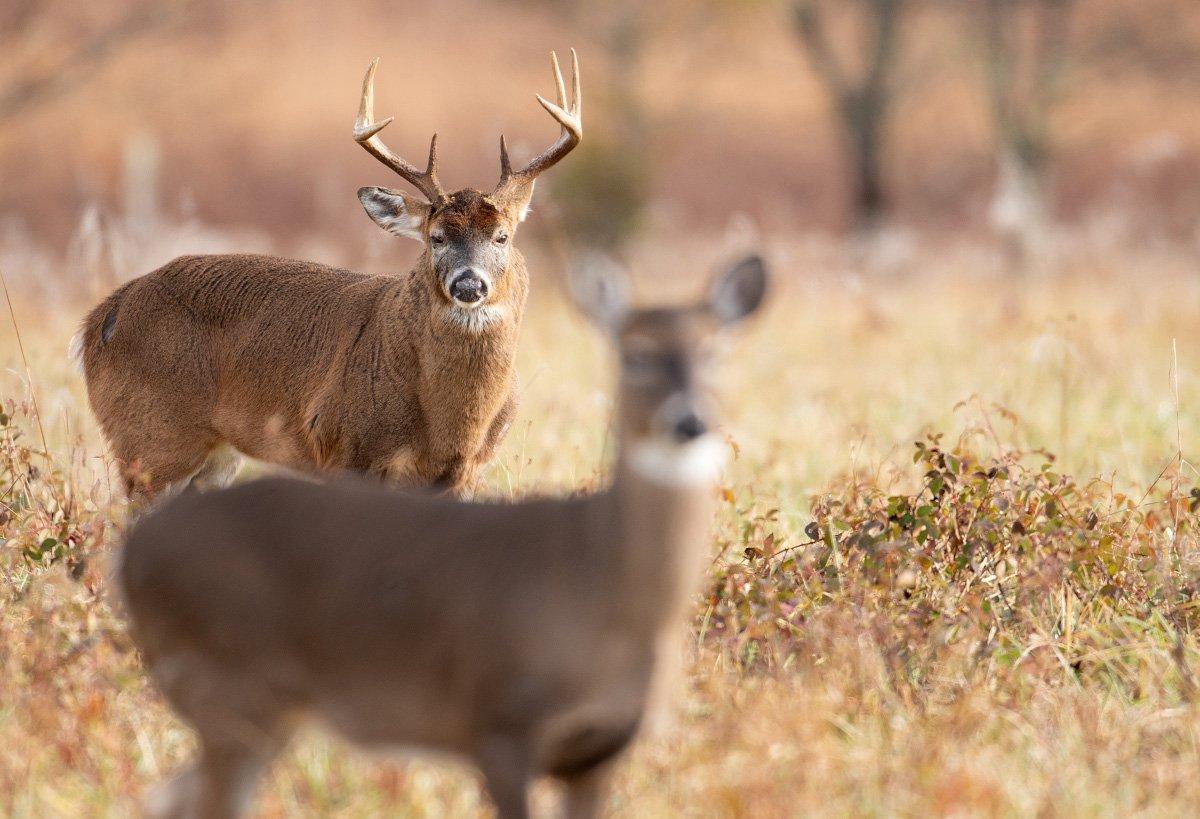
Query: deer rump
(280, 359)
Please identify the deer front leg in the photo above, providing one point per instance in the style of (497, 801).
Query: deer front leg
(458, 479)
(587, 792)
(462, 479)
(498, 429)
(457, 474)
(399, 468)
(506, 775)
(449, 473)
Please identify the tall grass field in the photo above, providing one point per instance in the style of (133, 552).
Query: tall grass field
(954, 571)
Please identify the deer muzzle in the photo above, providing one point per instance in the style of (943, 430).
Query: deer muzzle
(469, 288)
(682, 417)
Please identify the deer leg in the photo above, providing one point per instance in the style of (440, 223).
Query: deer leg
(161, 471)
(218, 470)
(398, 468)
(498, 429)
(506, 774)
(242, 725)
(463, 483)
(587, 792)
(451, 475)
(219, 786)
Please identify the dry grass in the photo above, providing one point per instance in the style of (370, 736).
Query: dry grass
(923, 656)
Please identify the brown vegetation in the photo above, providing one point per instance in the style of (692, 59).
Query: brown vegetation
(986, 630)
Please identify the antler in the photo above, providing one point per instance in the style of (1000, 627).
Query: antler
(366, 134)
(569, 117)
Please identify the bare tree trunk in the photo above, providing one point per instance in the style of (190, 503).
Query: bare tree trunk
(1023, 84)
(869, 197)
(1018, 209)
(862, 104)
(601, 195)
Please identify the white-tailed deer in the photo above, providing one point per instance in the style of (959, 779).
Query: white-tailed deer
(524, 637)
(406, 377)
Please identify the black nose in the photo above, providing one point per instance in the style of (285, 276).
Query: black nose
(468, 288)
(689, 428)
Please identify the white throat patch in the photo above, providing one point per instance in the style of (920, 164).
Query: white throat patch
(667, 463)
(475, 319)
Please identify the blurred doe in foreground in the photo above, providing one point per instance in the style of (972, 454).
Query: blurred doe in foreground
(408, 378)
(528, 638)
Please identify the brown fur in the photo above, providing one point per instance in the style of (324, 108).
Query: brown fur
(304, 365)
(530, 638)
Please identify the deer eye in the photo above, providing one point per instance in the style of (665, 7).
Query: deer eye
(437, 238)
(501, 238)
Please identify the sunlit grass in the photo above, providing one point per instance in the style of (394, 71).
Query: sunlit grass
(1086, 711)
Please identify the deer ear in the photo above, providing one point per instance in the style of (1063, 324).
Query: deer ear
(515, 198)
(599, 287)
(739, 291)
(394, 211)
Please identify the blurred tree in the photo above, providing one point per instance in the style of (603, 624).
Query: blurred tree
(1156, 38)
(1026, 55)
(603, 193)
(81, 52)
(600, 194)
(861, 103)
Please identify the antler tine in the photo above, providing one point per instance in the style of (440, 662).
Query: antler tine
(505, 165)
(558, 80)
(575, 86)
(569, 116)
(366, 134)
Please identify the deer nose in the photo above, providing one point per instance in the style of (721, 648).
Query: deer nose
(469, 287)
(689, 427)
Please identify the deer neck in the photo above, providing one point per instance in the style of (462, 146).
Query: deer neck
(663, 509)
(461, 373)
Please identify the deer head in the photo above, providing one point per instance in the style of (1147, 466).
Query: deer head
(665, 408)
(468, 234)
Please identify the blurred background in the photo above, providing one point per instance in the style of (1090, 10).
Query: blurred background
(985, 217)
(131, 131)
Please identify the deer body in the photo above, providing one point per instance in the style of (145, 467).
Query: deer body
(527, 638)
(551, 677)
(302, 365)
(409, 378)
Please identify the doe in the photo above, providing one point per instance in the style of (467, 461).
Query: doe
(525, 637)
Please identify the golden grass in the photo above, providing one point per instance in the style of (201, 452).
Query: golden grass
(1085, 710)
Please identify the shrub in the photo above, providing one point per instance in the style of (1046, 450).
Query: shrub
(995, 564)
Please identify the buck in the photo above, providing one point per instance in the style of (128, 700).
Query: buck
(408, 378)
(526, 637)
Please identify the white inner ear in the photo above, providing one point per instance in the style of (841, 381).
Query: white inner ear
(725, 301)
(733, 297)
(402, 222)
(524, 211)
(739, 292)
(393, 214)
